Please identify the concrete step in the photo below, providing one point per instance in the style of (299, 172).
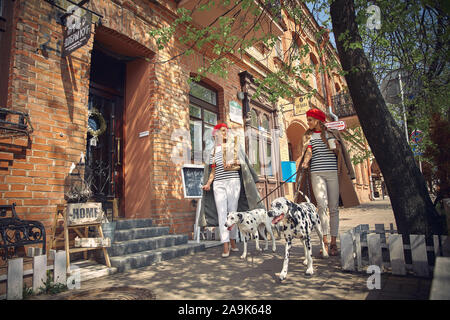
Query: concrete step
(140, 233)
(133, 223)
(146, 258)
(90, 269)
(138, 245)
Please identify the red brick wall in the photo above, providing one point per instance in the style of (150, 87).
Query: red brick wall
(54, 91)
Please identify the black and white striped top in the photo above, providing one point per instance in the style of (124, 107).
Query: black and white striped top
(220, 173)
(323, 159)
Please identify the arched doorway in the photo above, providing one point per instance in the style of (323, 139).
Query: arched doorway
(295, 133)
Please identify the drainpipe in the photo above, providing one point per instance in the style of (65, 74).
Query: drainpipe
(330, 111)
(369, 171)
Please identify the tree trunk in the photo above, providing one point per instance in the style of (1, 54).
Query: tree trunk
(413, 210)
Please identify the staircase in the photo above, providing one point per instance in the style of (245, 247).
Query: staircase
(138, 244)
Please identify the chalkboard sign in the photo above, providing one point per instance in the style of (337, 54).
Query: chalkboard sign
(192, 180)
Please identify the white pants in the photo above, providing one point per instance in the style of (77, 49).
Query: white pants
(325, 185)
(226, 195)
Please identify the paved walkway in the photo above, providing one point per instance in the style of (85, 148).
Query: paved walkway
(207, 275)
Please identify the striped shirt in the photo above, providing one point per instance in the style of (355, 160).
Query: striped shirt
(220, 173)
(323, 159)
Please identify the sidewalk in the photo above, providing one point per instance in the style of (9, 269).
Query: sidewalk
(206, 275)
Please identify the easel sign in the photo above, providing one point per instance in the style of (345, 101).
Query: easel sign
(84, 213)
(82, 216)
(192, 175)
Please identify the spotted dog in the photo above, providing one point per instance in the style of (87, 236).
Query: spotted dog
(249, 222)
(296, 220)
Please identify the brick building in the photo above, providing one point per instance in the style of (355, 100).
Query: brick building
(146, 104)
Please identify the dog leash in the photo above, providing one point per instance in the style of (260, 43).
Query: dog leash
(283, 182)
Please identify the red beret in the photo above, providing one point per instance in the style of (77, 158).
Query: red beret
(217, 127)
(316, 114)
(220, 125)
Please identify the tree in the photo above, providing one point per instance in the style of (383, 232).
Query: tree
(414, 212)
(413, 37)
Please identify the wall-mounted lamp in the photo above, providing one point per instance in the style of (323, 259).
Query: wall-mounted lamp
(241, 95)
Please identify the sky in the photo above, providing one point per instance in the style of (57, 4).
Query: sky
(320, 17)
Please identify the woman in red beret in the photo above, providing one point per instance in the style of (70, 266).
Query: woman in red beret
(330, 170)
(225, 173)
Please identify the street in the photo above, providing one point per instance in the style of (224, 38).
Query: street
(208, 276)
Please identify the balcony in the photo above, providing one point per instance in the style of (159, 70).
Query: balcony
(343, 105)
(210, 16)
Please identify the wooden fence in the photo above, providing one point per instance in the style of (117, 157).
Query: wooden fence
(392, 252)
(15, 274)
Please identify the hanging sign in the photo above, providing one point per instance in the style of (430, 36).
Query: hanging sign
(78, 29)
(236, 112)
(301, 105)
(416, 136)
(336, 125)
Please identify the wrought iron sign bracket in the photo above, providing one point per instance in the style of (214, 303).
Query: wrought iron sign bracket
(63, 16)
(21, 127)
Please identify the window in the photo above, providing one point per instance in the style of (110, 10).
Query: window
(260, 143)
(324, 89)
(313, 75)
(203, 93)
(265, 123)
(254, 152)
(203, 114)
(279, 49)
(1, 8)
(267, 143)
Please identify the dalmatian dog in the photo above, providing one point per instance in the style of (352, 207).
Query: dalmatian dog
(249, 223)
(297, 220)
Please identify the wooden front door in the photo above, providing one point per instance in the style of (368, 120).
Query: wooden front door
(104, 148)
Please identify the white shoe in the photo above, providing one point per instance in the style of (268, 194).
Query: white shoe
(235, 249)
(225, 255)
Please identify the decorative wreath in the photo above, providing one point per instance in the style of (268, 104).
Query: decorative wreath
(98, 118)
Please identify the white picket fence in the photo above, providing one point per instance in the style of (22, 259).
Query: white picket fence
(385, 249)
(14, 277)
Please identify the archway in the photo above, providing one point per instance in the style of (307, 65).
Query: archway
(295, 133)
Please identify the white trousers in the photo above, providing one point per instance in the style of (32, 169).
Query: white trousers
(226, 195)
(325, 185)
